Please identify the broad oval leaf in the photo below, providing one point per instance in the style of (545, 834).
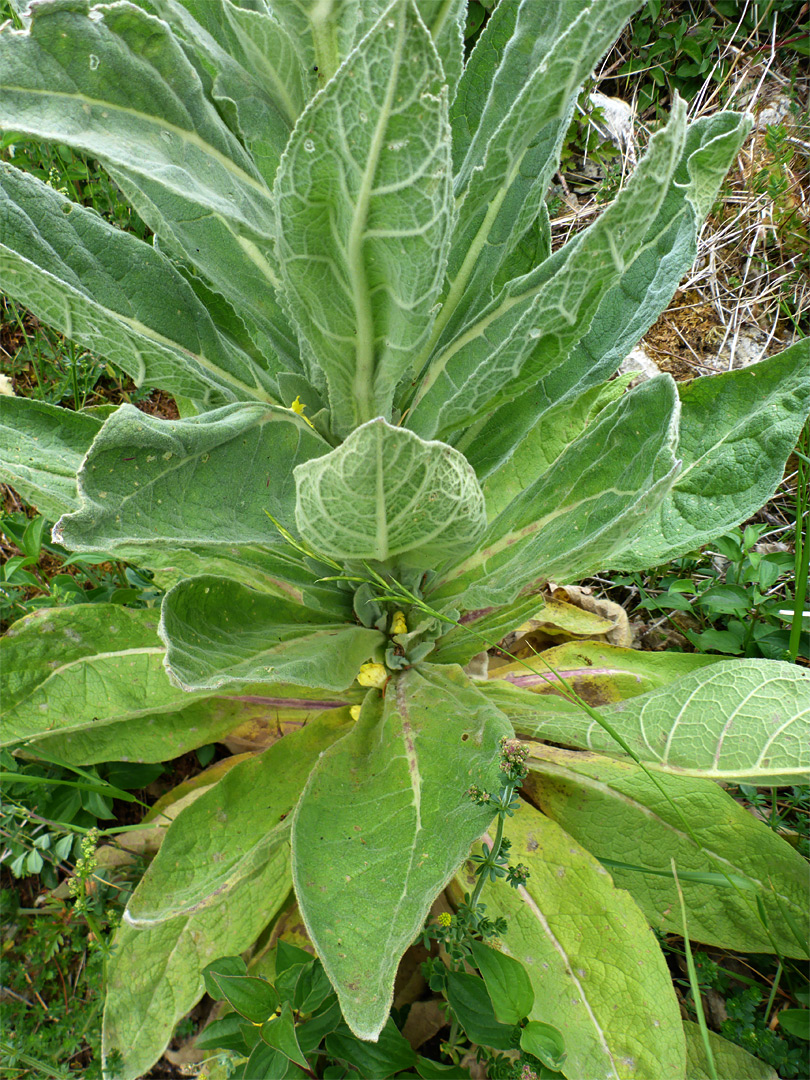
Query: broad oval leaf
(218, 632)
(386, 494)
(149, 482)
(364, 212)
(598, 973)
(386, 812)
(615, 809)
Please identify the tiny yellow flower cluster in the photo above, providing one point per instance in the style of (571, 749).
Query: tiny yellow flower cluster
(374, 675)
(445, 918)
(398, 624)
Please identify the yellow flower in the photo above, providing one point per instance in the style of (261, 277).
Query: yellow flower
(398, 624)
(445, 918)
(354, 712)
(298, 407)
(375, 675)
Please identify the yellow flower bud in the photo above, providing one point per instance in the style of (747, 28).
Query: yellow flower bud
(445, 918)
(354, 712)
(398, 624)
(375, 675)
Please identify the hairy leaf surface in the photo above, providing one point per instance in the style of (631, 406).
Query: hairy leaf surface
(119, 297)
(41, 451)
(364, 211)
(220, 633)
(614, 809)
(598, 973)
(385, 822)
(206, 481)
(574, 518)
(731, 1062)
(737, 430)
(387, 494)
(226, 834)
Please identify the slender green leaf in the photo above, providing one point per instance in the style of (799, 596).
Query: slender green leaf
(219, 840)
(445, 20)
(41, 449)
(218, 632)
(633, 304)
(279, 1032)
(468, 998)
(599, 976)
(737, 430)
(620, 814)
(364, 212)
(148, 482)
(573, 519)
(530, 328)
(387, 494)
(118, 296)
(386, 810)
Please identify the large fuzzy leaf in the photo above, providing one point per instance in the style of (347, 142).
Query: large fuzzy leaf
(364, 211)
(633, 304)
(205, 481)
(383, 824)
(737, 430)
(119, 87)
(387, 494)
(69, 668)
(220, 633)
(220, 839)
(619, 813)
(41, 451)
(733, 720)
(574, 518)
(596, 968)
(154, 976)
(118, 296)
(530, 328)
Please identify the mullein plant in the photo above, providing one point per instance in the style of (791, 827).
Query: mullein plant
(398, 422)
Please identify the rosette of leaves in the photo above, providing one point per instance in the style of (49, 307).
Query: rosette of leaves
(352, 297)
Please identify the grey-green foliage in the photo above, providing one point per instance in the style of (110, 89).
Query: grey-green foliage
(398, 422)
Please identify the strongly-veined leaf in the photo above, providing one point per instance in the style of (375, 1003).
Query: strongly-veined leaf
(206, 481)
(256, 74)
(119, 87)
(620, 814)
(221, 838)
(737, 430)
(218, 632)
(154, 976)
(555, 430)
(364, 212)
(598, 672)
(731, 1062)
(529, 329)
(325, 33)
(744, 720)
(510, 163)
(574, 518)
(118, 296)
(66, 668)
(384, 494)
(41, 449)
(596, 968)
(634, 303)
(386, 811)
